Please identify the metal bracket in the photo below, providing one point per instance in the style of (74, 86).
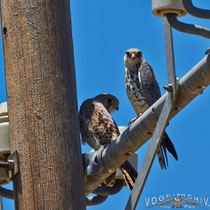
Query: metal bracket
(11, 165)
(93, 161)
(14, 165)
(172, 81)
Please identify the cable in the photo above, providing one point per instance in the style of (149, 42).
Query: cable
(7, 193)
(197, 12)
(90, 201)
(187, 28)
(107, 190)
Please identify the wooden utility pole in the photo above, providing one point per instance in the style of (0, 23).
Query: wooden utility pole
(42, 104)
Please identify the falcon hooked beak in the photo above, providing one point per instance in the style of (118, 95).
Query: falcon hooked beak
(117, 108)
(114, 105)
(133, 56)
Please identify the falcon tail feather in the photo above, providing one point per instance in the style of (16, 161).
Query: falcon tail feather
(167, 143)
(129, 182)
(161, 158)
(130, 173)
(165, 154)
(162, 153)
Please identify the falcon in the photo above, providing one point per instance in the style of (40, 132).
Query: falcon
(98, 128)
(143, 91)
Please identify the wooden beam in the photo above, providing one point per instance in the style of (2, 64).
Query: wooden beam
(42, 103)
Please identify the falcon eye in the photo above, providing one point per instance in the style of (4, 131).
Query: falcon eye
(111, 101)
(128, 54)
(139, 54)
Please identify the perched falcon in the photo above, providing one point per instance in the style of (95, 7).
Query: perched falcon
(98, 128)
(143, 90)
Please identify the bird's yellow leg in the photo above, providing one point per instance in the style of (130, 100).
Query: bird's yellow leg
(134, 119)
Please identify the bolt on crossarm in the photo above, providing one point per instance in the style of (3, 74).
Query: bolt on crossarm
(190, 86)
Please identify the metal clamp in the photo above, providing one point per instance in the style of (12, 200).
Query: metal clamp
(11, 165)
(93, 161)
(14, 165)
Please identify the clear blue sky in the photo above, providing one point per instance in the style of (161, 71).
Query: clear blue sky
(102, 31)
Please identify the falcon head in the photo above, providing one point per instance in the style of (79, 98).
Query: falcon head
(133, 56)
(109, 101)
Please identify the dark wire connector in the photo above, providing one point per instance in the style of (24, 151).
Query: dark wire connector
(108, 190)
(103, 192)
(9, 165)
(197, 12)
(91, 201)
(7, 193)
(187, 28)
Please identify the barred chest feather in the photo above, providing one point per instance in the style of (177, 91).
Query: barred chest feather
(134, 89)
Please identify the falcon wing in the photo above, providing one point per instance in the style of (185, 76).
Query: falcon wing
(86, 109)
(152, 93)
(149, 83)
(103, 125)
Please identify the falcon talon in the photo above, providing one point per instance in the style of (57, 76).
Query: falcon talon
(133, 120)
